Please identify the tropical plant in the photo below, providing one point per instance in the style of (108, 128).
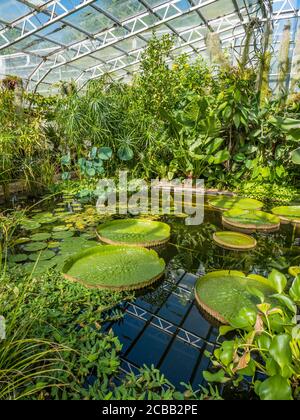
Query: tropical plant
(267, 344)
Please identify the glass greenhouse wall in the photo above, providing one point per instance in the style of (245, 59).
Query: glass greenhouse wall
(47, 41)
(149, 202)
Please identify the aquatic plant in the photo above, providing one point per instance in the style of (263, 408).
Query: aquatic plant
(115, 267)
(134, 232)
(266, 347)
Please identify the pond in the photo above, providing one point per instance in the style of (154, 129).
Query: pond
(163, 326)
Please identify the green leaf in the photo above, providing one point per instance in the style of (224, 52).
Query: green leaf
(280, 350)
(227, 353)
(218, 377)
(105, 153)
(278, 280)
(295, 290)
(125, 153)
(221, 157)
(214, 146)
(296, 156)
(287, 302)
(237, 120)
(246, 318)
(275, 388)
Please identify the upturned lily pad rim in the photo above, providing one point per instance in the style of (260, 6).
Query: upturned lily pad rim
(234, 273)
(251, 227)
(148, 244)
(72, 259)
(285, 218)
(222, 243)
(236, 205)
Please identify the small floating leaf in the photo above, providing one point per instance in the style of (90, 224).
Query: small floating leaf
(35, 246)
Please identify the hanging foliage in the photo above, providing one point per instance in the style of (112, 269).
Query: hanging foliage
(214, 49)
(284, 61)
(295, 73)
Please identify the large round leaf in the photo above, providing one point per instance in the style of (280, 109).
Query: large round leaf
(223, 294)
(235, 241)
(115, 267)
(125, 153)
(288, 213)
(228, 203)
(251, 220)
(135, 232)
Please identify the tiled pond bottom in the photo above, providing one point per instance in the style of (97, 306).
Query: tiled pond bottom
(171, 335)
(163, 326)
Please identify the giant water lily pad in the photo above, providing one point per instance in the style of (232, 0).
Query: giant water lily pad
(135, 232)
(227, 203)
(250, 221)
(234, 241)
(222, 294)
(288, 214)
(115, 267)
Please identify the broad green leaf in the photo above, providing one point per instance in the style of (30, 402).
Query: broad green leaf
(214, 146)
(280, 350)
(246, 318)
(221, 157)
(125, 153)
(287, 302)
(227, 353)
(295, 290)
(218, 377)
(278, 280)
(275, 388)
(105, 153)
(296, 156)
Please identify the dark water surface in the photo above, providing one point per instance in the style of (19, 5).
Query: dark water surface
(163, 326)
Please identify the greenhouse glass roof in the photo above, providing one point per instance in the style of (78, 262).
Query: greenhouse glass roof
(45, 41)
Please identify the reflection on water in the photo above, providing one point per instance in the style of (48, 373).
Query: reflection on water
(163, 326)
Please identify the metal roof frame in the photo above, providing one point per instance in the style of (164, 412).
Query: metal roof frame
(47, 56)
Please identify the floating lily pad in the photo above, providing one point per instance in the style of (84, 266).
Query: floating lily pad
(294, 271)
(39, 267)
(115, 267)
(18, 258)
(134, 232)
(61, 228)
(250, 221)
(227, 203)
(62, 235)
(21, 241)
(42, 256)
(54, 244)
(35, 246)
(288, 214)
(43, 236)
(30, 225)
(234, 241)
(44, 218)
(222, 294)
